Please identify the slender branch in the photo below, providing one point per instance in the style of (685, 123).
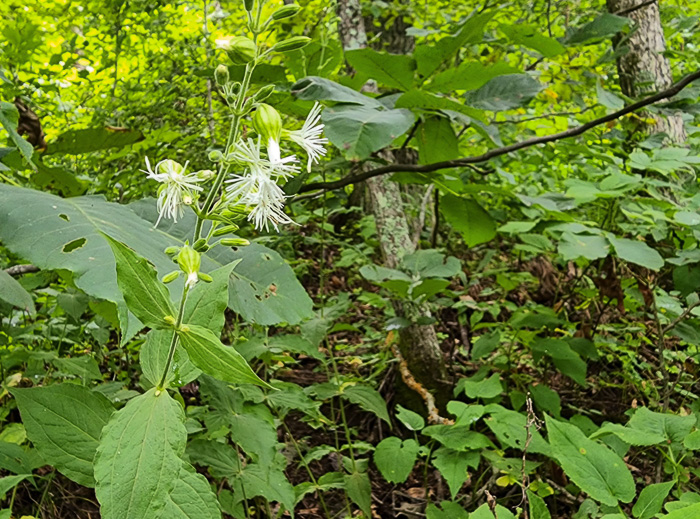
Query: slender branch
(18, 270)
(497, 152)
(680, 318)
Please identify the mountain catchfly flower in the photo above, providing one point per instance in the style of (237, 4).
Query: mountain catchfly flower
(257, 186)
(177, 188)
(309, 136)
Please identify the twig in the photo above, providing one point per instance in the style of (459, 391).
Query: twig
(497, 152)
(532, 421)
(18, 270)
(408, 379)
(680, 318)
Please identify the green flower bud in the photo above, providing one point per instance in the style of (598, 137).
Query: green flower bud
(221, 75)
(248, 4)
(206, 174)
(199, 244)
(234, 242)
(168, 278)
(240, 50)
(264, 93)
(286, 12)
(205, 277)
(297, 42)
(190, 261)
(171, 251)
(228, 229)
(267, 122)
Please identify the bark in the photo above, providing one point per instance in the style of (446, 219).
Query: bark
(644, 69)
(418, 343)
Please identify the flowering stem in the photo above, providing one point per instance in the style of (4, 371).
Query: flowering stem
(173, 342)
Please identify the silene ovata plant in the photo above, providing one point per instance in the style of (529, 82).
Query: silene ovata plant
(139, 468)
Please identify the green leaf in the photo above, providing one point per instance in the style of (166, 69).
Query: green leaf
(488, 388)
(271, 483)
(359, 490)
(505, 92)
(453, 466)
(412, 421)
(458, 437)
(538, 508)
(437, 141)
(392, 70)
(530, 37)
(651, 499)
(468, 218)
(138, 461)
(255, 436)
(420, 100)
(15, 294)
(19, 460)
(75, 142)
(147, 298)
(465, 414)
(9, 119)
(597, 470)
(429, 56)
(207, 302)
(191, 498)
(315, 88)
(154, 355)
(486, 344)
(468, 76)
(395, 458)
(10, 482)
(264, 290)
(368, 399)
(222, 362)
(607, 99)
(450, 510)
(687, 512)
(574, 246)
(546, 399)
(64, 422)
(692, 441)
(359, 131)
(673, 428)
(603, 27)
(636, 252)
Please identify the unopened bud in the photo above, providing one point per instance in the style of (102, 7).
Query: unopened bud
(187, 199)
(171, 251)
(240, 50)
(234, 242)
(297, 42)
(285, 12)
(264, 93)
(206, 174)
(169, 278)
(205, 277)
(189, 260)
(248, 4)
(199, 244)
(228, 229)
(221, 75)
(216, 156)
(267, 122)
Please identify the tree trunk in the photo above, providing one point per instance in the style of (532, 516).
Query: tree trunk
(644, 69)
(418, 343)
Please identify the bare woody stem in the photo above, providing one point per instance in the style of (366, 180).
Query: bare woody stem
(497, 152)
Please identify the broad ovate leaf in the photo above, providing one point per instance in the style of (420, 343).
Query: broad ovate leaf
(64, 422)
(597, 470)
(138, 461)
(222, 362)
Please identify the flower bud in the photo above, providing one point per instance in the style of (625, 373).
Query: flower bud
(234, 242)
(240, 50)
(222, 231)
(206, 174)
(247, 106)
(189, 260)
(205, 277)
(264, 93)
(267, 122)
(248, 4)
(221, 75)
(199, 244)
(168, 278)
(171, 251)
(285, 12)
(297, 42)
(216, 156)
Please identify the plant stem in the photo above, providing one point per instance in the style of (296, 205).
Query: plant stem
(173, 342)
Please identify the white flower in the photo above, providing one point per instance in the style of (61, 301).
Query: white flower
(309, 136)
(176, 190)
(257, 187)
